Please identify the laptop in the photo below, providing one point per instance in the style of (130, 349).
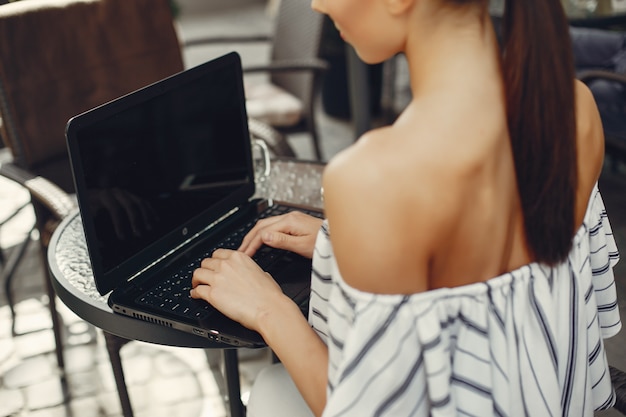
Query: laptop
(163, 176)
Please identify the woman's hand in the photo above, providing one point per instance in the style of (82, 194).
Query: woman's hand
(294, 231)
(235, 285)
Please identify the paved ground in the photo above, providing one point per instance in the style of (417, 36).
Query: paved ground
(164, 381)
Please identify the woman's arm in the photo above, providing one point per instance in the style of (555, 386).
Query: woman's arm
(301, 351)
(234, 284)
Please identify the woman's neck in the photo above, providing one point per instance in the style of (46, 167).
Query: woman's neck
(451, 51)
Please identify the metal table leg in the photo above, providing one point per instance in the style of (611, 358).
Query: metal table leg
(57, 323)
(231, 374)
(114, 344)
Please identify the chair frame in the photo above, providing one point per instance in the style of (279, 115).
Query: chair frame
(60, 204)
(314, 66)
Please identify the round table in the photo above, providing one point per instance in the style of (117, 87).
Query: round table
(289, 180)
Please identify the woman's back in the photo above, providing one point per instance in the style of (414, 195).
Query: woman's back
(438, 189)
(488, 237)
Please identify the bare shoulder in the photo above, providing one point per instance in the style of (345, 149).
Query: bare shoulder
(375, 213)
(590, 137)
(590, 144)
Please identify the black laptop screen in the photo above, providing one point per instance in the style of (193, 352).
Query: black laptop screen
(155, 164)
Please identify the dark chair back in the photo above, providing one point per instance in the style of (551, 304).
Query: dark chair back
(600, 59)
(59, 58)
(297, 37)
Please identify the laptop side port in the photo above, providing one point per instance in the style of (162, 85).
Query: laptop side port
(230, 341)
(199, 332)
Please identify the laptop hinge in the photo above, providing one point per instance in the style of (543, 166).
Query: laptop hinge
(185, 243)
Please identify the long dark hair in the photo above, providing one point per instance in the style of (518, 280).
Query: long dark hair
(538, 70)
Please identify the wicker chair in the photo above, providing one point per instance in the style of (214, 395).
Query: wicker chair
(286, 100)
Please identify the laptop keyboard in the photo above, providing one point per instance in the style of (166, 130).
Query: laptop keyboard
(173, 294)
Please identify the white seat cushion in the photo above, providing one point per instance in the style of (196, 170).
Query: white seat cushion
(272, 105)
(274, 394)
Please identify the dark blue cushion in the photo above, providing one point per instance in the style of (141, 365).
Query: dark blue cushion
(604, 50)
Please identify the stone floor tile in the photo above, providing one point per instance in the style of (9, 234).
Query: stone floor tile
(11, 402)
(29, 371)
(206, 379)
(58, 411)
(175, 389)
(141, 397)
(79, 333)
(139, 369)
(32, 321)
(5, 322)
(184, 409)
(109, 403)
(83, 407)
(14, 231)
(30, 306)
(7, 350)
(80, 358)
(106, 378)
(83, 384)
(169, 365)
(37, 343)
(197, 359)
(68, 315)
(45, 394)
(214, 407)
(213, 356)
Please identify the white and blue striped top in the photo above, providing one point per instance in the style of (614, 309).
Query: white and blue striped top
(527, 343)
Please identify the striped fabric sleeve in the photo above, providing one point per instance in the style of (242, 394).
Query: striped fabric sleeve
(603, 256)
(529, 342)
(321, 283)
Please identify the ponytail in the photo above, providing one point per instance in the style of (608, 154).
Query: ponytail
(538, 72)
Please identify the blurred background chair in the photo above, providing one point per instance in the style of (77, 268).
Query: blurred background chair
(284, 97)
(600, 60)
(618, 377)
(609, 91)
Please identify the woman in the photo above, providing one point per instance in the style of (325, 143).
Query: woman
(464, 259)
